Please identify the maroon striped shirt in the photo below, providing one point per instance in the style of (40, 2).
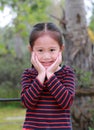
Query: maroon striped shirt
(48, 105)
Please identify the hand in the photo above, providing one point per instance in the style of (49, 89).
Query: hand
(39, 67)
(53, 68)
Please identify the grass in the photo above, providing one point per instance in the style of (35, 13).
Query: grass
(11, 118)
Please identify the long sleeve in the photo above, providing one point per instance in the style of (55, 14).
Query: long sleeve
(31, 89)
(48, 104)
(63, 90)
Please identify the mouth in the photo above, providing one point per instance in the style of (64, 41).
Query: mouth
(47, 64)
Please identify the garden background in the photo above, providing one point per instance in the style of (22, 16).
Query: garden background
(78, 31)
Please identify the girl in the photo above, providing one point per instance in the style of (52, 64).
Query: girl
(48, 89)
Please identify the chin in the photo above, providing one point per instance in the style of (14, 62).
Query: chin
(46, 67)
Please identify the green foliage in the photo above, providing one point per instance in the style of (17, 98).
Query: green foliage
(7, 90)
(6, 41)
(11, 70)
(3, 49)
(84, 79)
(27, 13)
(91, 128)
(91, 24)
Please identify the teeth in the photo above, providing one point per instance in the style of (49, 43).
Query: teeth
(47, 63)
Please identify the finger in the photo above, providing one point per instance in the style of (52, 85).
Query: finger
(55, 64)
(57, 60)
(38, 62)
(60, 58)
(32, 58)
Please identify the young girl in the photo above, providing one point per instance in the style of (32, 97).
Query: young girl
(48, 89)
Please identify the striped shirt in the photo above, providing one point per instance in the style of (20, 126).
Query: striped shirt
(48, 105)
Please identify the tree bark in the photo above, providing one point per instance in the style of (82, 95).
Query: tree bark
(78, 46)
(85, 92)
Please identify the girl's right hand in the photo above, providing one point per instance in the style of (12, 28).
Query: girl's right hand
(39, 67)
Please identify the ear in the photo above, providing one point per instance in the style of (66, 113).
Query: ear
(62, 48)
(29, 48)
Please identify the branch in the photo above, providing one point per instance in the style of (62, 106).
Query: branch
(85, 92)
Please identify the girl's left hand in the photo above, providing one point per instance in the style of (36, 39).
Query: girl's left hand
(53, 68)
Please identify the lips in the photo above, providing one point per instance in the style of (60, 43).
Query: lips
(47, 63)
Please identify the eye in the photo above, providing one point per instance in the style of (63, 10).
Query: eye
(40, 50)
(52, 50)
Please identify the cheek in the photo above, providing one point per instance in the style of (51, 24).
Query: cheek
(55, 55)
(38, 56)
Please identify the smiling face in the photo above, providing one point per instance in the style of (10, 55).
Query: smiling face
(46, 49)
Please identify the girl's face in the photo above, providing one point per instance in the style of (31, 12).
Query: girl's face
(46, 50)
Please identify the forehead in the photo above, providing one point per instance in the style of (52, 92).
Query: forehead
(45, 41)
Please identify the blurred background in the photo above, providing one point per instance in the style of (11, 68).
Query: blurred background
(76, 22)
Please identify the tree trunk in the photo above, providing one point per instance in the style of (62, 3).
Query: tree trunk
(18, 45)
(78, 46)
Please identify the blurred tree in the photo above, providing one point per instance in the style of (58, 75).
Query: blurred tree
(14, 37)
(27, 13)
(6, 44)
(91, 35)
(78, 46)
(78, 52)
(91, 24)
(91, 28)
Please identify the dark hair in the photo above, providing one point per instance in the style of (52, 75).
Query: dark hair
(45, 28)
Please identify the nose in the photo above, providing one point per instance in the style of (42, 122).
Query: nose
(46, 55)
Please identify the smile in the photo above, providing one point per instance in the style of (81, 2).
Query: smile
(47, 63)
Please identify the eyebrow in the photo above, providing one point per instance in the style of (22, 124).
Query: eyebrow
(52, 47)
(43, 47)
